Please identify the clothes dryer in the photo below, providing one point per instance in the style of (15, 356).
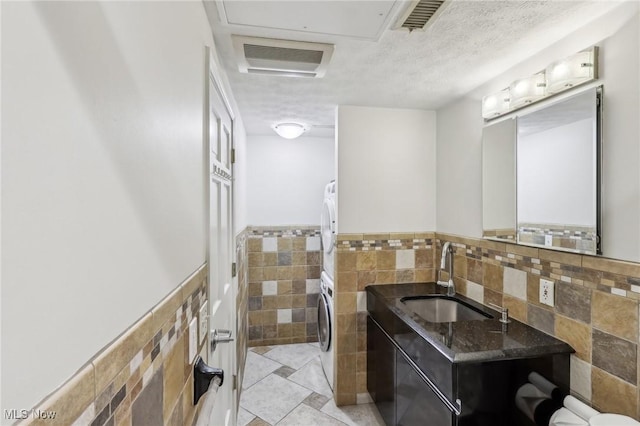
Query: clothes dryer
(328, 229)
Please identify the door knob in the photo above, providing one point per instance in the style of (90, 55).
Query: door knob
(220, 336)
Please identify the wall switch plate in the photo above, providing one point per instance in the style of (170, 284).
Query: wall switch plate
(548, 240)
(193, 339)
(204, 321)
(547, 292)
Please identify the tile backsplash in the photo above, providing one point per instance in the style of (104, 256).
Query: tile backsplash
(596, 309)
(596, 304)
(143, 377)
(284, 264)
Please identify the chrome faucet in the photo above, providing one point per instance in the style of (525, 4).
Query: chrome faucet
(447, 254)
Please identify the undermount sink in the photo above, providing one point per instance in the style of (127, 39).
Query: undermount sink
(438, 308)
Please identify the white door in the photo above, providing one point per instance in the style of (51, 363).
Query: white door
(222, 294)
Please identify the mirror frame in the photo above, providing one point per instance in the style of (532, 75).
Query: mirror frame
(514, 239)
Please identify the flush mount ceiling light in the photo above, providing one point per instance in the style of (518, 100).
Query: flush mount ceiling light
(289, 130)
(558, 77)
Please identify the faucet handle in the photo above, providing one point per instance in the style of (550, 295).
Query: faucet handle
(504, 311)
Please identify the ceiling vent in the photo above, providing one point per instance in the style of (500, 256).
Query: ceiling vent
(284, 58)
(418, 14)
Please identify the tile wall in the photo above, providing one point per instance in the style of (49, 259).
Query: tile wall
(596, 305)
(141, 378)
(284, 266)
(364, 259)
(596, 309)
(242, 306)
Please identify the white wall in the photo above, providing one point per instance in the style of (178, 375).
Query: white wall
(621, 147)
(460, 128)
(286, 179)
(102, 177)
(386, 169)
(459, 171)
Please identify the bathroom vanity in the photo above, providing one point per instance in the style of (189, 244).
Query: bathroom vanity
(436, 360)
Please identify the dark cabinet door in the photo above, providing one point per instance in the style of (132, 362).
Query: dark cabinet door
(401, 395)
(416, 402)
(381, 365)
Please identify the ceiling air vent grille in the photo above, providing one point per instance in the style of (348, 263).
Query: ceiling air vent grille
(417, 16)
(285, 58)
(282, 54)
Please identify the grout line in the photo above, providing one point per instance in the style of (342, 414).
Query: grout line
(254, 416)
(245, 369)
(295, 383)
(290, 381)
(290, 411)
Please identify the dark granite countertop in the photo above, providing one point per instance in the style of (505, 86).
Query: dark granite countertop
(468, 341)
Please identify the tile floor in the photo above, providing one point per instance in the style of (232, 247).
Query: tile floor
(285, 385)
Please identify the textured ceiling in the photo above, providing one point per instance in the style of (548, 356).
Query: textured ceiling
(469, 43)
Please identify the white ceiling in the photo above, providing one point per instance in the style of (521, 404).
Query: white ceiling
(468, 43)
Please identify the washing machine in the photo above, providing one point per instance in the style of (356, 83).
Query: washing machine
(328, 228)
(326, 326)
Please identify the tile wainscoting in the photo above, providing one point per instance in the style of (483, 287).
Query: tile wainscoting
(141, 378)
(283, 274)
(242, 306)
(596, 304)
(364, 259)
(596, 309)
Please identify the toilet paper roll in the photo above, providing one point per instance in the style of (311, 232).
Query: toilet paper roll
(535, 404)
(528, 398)
(579, 408)
(564, 417)
(541, 383)
(550, 389)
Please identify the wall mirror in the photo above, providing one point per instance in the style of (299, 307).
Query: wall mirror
(499, 180)
(541, 176)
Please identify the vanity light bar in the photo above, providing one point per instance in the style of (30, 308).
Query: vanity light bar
(558, 77)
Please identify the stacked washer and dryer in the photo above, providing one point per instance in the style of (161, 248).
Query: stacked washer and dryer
(325, 301)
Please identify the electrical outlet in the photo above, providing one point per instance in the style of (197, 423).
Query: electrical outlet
(204, 321)
(193, 339)
(548, 240)
(547, 292)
